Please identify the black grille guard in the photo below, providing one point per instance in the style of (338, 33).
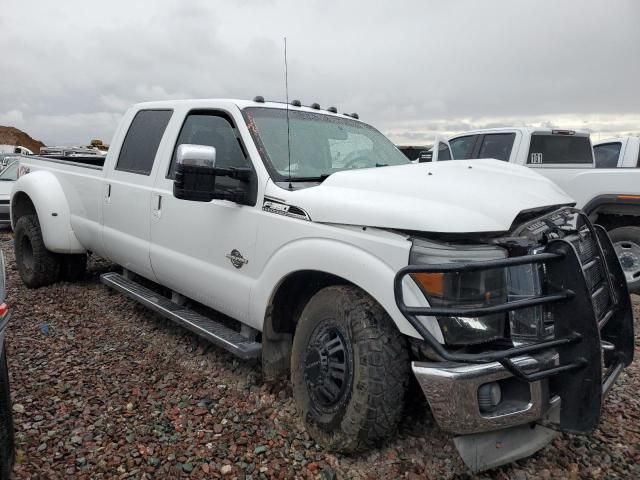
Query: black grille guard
(581, 330)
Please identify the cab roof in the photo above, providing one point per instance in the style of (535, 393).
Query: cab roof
(526, 130)
(241, 104)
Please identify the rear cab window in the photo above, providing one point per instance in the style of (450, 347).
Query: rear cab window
(607, 154)
(141, 143)
(559, 149)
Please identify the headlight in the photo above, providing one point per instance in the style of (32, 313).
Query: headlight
(475, 289)
(463, 289)
(527, 324)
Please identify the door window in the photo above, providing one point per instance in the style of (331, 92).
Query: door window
(142, 141)
(443, 151)
(607, 154)
(213, 130)
(497, 145)
(462, 147)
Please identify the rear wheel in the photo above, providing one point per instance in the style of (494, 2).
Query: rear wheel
(37, 265)
(626, 242)
(349, 370)
(6, 420)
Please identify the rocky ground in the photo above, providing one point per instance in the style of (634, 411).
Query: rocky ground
(104, 389)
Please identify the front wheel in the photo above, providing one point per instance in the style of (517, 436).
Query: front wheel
(626, 242)
(349, 370)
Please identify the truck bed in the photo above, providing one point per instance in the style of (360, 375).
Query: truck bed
(83, 180)
(81, 161)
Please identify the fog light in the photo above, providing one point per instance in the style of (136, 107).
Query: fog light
(489, 396)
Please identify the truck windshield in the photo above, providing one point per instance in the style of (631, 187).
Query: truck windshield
(559, 149)
(10, 172)
(319, 144)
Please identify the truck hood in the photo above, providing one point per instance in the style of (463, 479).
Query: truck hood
(448, 197)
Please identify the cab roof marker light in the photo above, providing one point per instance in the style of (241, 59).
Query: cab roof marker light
(296, 103)
(355, 115)
(315, 106)
(258, 99)
(332, 110)
(563, 132)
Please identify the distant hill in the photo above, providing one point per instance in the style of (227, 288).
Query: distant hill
(13, 136)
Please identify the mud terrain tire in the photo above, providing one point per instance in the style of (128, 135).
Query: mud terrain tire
(349, 370)
(37, 266)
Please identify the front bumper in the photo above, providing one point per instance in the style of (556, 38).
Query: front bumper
(567, 375)
(452, 392)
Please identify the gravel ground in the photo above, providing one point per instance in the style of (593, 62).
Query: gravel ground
(104, 389)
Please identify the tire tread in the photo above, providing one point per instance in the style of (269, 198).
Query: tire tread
(46, 265)
(377, 400)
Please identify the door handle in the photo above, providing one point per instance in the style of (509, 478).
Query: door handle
(157, 205)
(107, 198)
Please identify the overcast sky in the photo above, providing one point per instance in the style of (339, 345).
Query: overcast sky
(70, 68)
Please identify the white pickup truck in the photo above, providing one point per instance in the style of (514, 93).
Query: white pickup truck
(340, 262)
(609, 196)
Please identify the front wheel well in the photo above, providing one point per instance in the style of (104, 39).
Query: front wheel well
(21, 205)
(284, 308)
(293, 293)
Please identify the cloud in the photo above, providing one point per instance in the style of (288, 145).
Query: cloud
(12, 117)
(408, 67)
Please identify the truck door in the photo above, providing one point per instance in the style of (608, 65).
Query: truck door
(205, 250)
(127, 193)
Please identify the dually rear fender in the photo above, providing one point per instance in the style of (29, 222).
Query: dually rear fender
(40, 191)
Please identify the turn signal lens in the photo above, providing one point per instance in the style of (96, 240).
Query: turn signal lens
(432, 284)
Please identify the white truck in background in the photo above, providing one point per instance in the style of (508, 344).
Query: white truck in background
(427, 153)
(341, 263)
(609, 196)
(17, 149)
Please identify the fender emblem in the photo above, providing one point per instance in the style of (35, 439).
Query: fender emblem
(236, 258)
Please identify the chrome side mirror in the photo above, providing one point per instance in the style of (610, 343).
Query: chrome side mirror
(196, 174)
(196, 155)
